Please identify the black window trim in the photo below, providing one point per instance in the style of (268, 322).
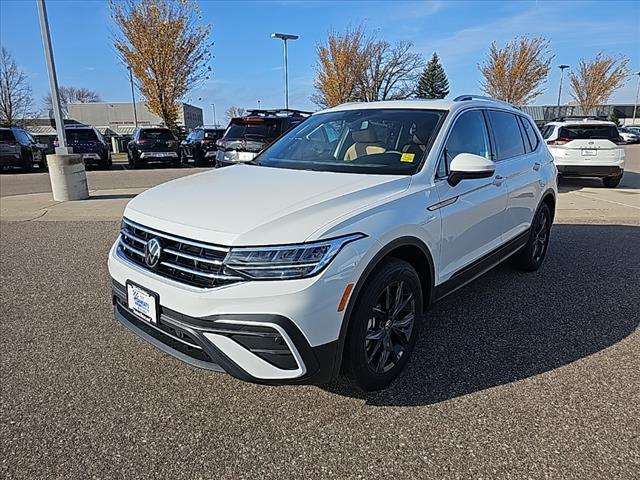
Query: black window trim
(524, 120)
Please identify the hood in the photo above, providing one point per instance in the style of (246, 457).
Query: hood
(252, 205)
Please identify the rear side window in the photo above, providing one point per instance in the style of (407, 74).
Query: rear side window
(213, 134)
(156, 134)
(530, 133)
(81, 135)
(506, 133)
(6, 136)
(547, 131)
(586, 132)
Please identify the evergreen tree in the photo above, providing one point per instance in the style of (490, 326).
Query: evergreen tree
(433, 82)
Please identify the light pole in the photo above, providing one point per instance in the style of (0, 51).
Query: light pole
(284, 37)
(635, 105)
(66, 170)
(213, 107)
(133, 98)
(562, 68)
(258, 104)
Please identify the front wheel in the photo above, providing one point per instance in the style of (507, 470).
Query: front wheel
(384, 326)
(530, 257)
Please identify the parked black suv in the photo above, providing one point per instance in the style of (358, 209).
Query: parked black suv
(88, 142)
(153, 144)
(19, 149)
(200, 145)
(247, 136)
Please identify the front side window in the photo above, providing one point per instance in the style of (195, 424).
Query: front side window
(468, 135)
(506, 132)
(373, 141)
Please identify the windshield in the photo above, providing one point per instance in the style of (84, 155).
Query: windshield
(373, 141)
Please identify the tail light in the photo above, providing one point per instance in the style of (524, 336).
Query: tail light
(206, 141)
(558, 141)
(142, 142)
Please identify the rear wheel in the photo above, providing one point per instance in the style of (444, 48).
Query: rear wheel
(27, 166)
(611, 182)
(530, 257)
(384, 326)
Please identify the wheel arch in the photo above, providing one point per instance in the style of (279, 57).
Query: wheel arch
(408, 248)
(549, 197)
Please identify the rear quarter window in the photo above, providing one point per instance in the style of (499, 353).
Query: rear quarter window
(530, 133)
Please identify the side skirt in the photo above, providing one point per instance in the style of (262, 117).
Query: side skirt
(480, 266)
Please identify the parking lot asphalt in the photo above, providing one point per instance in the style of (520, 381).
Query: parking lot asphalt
(518, 375)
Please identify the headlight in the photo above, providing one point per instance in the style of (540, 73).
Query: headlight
(286, 261)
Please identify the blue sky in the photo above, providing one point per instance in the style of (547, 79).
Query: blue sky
(247, 63)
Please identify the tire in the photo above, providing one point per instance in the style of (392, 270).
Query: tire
(611, 182)
(27, 166)
(531, 256)
(176, 163)
(135, 164)
(378, 345)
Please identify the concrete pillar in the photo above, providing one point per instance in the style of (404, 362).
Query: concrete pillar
(68, 177)
(114, 145)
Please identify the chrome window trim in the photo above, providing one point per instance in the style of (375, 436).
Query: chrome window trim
(168, 236)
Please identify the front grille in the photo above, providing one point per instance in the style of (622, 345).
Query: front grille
(186, 261)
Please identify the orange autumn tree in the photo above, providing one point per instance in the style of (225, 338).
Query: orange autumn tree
(596, 80)
(517, 72)
(166, 48)
(340, 64)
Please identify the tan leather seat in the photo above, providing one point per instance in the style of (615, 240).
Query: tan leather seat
(365, 143)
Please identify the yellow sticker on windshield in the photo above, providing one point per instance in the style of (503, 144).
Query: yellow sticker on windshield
(407, 157)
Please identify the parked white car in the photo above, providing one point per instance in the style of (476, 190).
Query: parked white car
(324, 255)
(586, 147)
(629, 135)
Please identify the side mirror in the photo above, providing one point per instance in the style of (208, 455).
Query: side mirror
(468, 165)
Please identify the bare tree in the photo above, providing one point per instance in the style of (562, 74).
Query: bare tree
(16, 101)
(166, 48)
(517, 72)
(391, 72)
(71, 95)
(597, 79)
(339, 67)
(234, 112)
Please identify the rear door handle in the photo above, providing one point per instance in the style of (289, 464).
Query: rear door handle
(536, 166)
(499, 180)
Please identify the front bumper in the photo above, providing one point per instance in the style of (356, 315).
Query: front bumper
(264, 348)
(300, 314)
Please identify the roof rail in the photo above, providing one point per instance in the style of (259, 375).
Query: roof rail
(579, 117)
(276, 111)
(463, 98)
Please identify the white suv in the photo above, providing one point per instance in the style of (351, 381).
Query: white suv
(586, 147)
(323, 256)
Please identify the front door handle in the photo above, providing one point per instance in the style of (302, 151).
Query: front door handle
(536, 166)
(498, 181)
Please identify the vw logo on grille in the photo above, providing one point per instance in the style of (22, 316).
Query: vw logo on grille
(152, 252)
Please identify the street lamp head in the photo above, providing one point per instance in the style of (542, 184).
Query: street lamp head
(284, 36)
(563, 66)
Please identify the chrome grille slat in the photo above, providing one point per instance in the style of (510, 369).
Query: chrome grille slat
(187, 261)
(195, 258)
(174, 238)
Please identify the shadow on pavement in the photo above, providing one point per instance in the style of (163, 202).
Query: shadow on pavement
(113, 196)
(509, 325)
(630, 180)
